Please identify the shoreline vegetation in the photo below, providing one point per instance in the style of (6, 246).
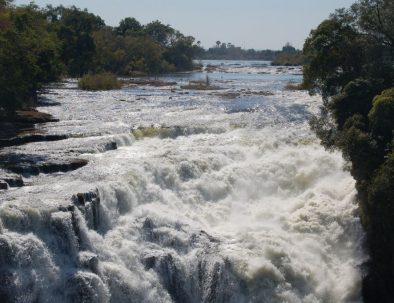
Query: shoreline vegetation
(101, 81)
(43, 45)
(350, 62)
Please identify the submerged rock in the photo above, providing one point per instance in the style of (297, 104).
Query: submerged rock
(3, 185)
(8, 180)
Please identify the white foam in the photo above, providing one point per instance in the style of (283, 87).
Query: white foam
(242, 207)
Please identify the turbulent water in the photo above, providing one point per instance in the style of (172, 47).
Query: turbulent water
(188, 196)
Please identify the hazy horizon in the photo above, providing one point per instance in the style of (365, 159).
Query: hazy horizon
(258, 24)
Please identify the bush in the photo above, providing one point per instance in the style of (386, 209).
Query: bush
(381, 115)
(381, 196)
(355, 98)
(284, 59)
(295, 86)
(103, 81)
(28, 56)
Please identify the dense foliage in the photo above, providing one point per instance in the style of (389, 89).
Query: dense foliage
(29, 55)
(41, 45)
(350, 61)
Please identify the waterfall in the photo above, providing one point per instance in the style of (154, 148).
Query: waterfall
(183, 200)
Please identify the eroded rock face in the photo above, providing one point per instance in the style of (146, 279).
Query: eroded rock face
(21, 128)
(89, 204)
(26, 168)
(29, 138)
(8, 180)
(23, 121)
(14, 181)
(3, 185)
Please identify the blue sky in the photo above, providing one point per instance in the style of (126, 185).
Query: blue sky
(256, 24)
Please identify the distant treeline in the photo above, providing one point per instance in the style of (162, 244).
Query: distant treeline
(40, 45)
(227, 51)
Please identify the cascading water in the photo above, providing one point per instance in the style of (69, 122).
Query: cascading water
(188, 196)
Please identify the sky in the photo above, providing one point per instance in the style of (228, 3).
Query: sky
(259, 24)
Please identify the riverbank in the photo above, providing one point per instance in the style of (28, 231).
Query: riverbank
(13, 126)
(23, 127)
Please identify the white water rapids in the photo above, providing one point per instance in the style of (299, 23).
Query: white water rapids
(220, 198)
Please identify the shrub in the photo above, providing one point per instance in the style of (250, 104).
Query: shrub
(102, 81)
(356, 98)
(381, 115)
(294, 86)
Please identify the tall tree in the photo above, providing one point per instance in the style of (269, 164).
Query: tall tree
(28, 56)
(350, 61)
(75, 30)
(128, 26)
(160, 32)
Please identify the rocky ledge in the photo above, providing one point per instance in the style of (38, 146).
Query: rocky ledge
(20, 128)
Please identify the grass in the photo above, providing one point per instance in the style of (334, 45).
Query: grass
(102, 81)
(294, 86)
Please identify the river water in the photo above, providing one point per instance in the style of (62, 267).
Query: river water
(210, 196)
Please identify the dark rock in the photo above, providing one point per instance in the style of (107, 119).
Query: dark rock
(23, 122)
(33, 116)
(89, 204)
(16, 181)
(90, 262)
(19, 140)
(149, 262)
(148, 224)
(7, 286)
(73, 164)
(84, 288)
(23, 168)
(28, 168)
(3, 185)
(172, 278)
(111, 146)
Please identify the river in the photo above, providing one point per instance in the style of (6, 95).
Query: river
(188, 196)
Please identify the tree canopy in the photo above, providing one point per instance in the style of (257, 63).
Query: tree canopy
(29, 55)
(39, 45)
(350, 61)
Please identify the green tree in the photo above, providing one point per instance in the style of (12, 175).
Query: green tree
(381, 116)
(350, 61)
(181, 52)
(334, 54)
(376, 19)
(110, 54)
(159, 32)
(75, 30)
(129, 26)
(28, 56)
